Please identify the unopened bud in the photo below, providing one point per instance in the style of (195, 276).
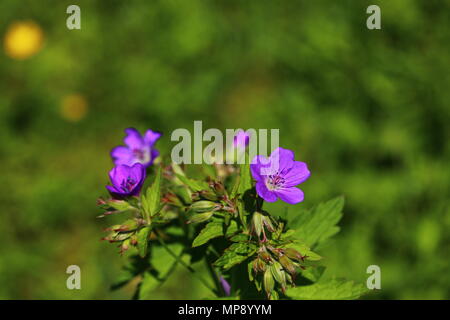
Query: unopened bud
(200, 217)
(269, 283)
(264, 255)
(288, 264)
(278, 273)
(257, 221)
(293, 254)
(203, 206)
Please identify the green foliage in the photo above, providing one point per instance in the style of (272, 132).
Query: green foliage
(365, 109)
(151, 202)
(316, 225)
(213, 230)
(331, 290)
(142, 240)
(235, 254)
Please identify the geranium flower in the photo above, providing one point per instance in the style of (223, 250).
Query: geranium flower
(241, 139)
(277, 176)
(126, 180)
(138, 149)
(226, 286)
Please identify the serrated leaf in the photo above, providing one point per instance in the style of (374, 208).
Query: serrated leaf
(194, 185)
(331, 290)
(151, 201)
(213, 230)
(235, 254)
(142, 240)
(316, 225)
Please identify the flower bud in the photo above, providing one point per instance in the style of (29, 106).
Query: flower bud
(172, 199)
(269, 283)
(209, 195)
(257, 222)
(200, 217)
(278, 273)
(218, 187)
(293, 254)
(203, 206)
(264, 255)
(287, 264)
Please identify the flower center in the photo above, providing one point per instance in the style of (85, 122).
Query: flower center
(274, 181)
(141, 155)
(128, 184)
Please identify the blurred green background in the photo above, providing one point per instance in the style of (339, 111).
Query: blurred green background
(368, 110)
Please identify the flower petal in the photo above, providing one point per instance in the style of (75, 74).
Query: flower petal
(265, 193)
(122, 155)
(255, 167)
(290, 195)
(112, 189)
(133, 139)
(280, 160)
(137, 172)
(299, 173)
(151, 137)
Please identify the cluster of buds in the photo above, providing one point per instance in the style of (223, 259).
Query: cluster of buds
(209, 201)
(277, 265)
(260, 223)
(125, 234)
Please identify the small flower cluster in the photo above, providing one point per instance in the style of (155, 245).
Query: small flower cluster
(227, 203)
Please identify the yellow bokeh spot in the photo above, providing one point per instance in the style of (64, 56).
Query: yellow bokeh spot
(23, 39)
(73, 107)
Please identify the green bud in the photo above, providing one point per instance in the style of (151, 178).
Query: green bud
(288, 264)
(293, 254)
(279, 274)
(268, 223)
(264, 255)
(203, 206)
(209, 195)
(257, 221)
(269, 283)
(119, 205)
(218, 187)
(200, 217)
(128, 225)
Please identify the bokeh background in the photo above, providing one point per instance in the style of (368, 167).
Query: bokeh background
(367, 110)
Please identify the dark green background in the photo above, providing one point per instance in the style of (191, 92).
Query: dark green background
(367, 110)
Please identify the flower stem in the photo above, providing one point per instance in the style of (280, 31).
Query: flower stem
(189, 268)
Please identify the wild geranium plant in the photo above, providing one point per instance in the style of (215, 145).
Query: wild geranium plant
(210, 220)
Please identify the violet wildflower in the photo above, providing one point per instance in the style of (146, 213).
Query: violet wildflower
(138, 149)
(277, 176)
(126, 180)
(226, 286)
(241, 139)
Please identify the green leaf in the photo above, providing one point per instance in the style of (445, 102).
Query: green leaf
(331, 290)
(246, 203)
(235, 254)
(316, 225)
(151, 202)
(245, 180)
(162, 267)
(213, 230)
(142, 240)
(195, 185)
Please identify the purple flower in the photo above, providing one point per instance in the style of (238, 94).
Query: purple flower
(126, 181)
(277, 176)
(225, 285)
(138, 149)
(241, 139)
